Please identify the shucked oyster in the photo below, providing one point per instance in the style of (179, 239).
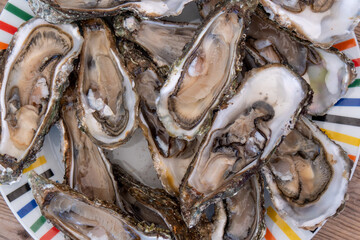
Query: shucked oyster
(171, 156)
(308, 176)
(322, 22)
(80, 218)
(108, 104)
(87, 169)
(68, 11)
(243, 135)
(206, 6)
(245, 211)
(328, 72)
(164, 41)
(199, 80)
(34, 75)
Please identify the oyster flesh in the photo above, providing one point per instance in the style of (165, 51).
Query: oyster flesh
(246, 212)
(80, 218)
(198, 80)
(308, 176)
(243, 135)
(88, 171)
(162, 40)
(34, 76)
(322, 22)
(56, 11)
(108, 103)
(328, 71)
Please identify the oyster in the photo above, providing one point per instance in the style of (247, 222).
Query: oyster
(108, 103)
(243, 135)
(188, 98)
(87, 169)
(56, 11)
(34, 76)
(171, 156)
(322, 22)
(328, 72)
(245, 211)
(163, 41)
(80, 218)
(206, 6)
(308, 176)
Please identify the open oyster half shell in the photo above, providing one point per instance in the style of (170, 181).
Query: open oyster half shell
(34, 76)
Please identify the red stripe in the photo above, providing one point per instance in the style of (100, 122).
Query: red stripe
(268, 235)
(345, 45)
(356, 62)
(3, 45)
(50, 234)
(7, 28)
(352, 157)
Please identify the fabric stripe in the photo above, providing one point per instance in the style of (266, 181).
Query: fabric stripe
(18, 12)
(7, 28)
(282, 224)
(268, 235)
(345, 45)
(342, 137)
(27, 208)
(355, 83)
(26, 187)
(39, 161)
(50, 234)
(38, 224)
(356, 62)
(338, 119)
(348, 102)
(3, 45)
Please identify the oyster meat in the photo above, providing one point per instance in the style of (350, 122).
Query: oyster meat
(328, 71)
(171, 156)
(108, 103)
(198, 80)
(56, 11)
(322, 22)
(34, 76)
(246, 212)
(80, 218)
(243, 135)
(308, 176)
(162, 40)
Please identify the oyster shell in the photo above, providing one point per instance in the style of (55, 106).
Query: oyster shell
(328, 72)
(80, 218)
(88, 171)
(187, 99)
(34, 76)
(322, 22)
(308, 176)
(108, 103)
(163, 40)
(56, 11)
(171, 156)
(243, 135)
(246, 212)
(207, 6)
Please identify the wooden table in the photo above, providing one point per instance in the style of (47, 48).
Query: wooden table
(346, 226)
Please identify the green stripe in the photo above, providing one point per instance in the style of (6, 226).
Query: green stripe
(37, 225)
(355, 83)
(18, 12)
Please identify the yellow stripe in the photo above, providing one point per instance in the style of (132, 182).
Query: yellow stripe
(282, 224)
(342, 137)
(39, 161)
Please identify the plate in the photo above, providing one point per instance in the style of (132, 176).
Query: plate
(342, 124)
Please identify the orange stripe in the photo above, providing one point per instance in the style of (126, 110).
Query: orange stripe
(352, 157)
(3, 45)
(345, 45)
(268, 235)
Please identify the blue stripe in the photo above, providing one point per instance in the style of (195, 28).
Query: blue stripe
(348, 102)
(27, 208)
